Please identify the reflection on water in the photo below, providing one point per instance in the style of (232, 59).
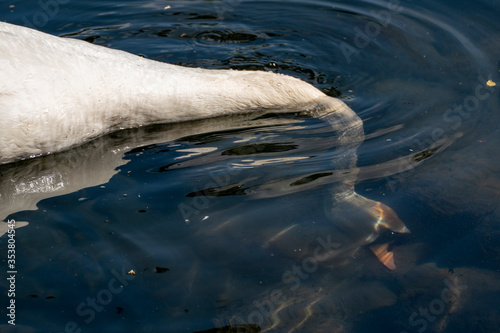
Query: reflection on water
(252, 224)
(25, 183)
(341, 223)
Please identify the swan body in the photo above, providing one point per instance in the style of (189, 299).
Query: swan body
(56, 93)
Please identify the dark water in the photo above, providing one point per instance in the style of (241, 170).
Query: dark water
(193, 212)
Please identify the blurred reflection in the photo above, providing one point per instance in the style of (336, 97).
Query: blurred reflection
(23, 184)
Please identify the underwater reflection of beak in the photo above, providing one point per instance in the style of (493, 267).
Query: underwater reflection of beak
(386, 217)
(384, 256)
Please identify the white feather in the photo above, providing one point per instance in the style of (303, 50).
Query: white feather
(56, 93)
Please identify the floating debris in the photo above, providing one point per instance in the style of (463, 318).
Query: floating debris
(160, 270)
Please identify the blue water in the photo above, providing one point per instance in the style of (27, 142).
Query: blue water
(191, 208)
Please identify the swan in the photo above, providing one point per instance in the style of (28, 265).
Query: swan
(57, 93)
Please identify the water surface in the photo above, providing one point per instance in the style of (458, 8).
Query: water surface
(192, 208)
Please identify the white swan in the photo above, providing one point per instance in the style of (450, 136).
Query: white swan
(56, 93)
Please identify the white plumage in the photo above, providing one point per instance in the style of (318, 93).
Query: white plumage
(56, 93)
